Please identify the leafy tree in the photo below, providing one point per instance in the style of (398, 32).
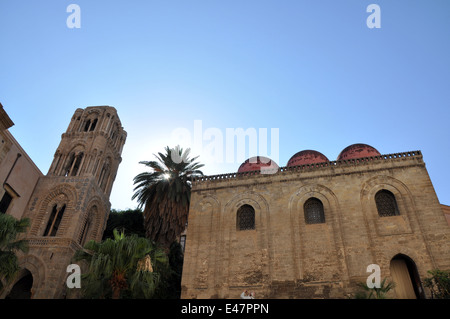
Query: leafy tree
(165, 193)
(10, 229)
(129, 221)
(170, 287)
(438, 283)
(123, 267)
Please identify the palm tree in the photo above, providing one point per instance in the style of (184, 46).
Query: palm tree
(375, 292)
(123, 267)
(165, 193)
(10, 228)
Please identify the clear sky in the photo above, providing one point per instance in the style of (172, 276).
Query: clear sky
(311, 69)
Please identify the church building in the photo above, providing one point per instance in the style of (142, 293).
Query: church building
(315, 228)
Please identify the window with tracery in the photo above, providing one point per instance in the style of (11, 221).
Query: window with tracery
(54, 221)
(245, 218)
(386, 204)
(314, 213)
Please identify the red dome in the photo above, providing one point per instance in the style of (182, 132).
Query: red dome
(256, 164)
(357, 151)
(307, 157)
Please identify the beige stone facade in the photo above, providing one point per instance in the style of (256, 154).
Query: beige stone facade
(446, 210)
(18, 173)
(70, 205)
(283, 256)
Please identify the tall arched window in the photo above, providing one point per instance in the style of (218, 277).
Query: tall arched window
(93, 125)
(313, 209)
(245, 218)
(69, 164)
(86, 126)
(386, 203)
(54, 221)
(104, 174)
(86, 228)
(76, 164)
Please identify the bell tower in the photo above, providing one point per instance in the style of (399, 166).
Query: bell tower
(70, 205)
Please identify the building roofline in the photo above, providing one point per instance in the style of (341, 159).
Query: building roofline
(299, 168)
(5, 120)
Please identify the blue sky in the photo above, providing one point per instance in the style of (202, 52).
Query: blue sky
(312, 69)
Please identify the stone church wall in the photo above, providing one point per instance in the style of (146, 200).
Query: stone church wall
(283, 257)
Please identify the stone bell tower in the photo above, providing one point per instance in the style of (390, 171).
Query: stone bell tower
(70, 205)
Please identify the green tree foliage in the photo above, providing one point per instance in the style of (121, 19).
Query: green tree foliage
(129, 221)
(10, 229)
(171, 279)
(438, 283)
(165, 193)
(123, 267)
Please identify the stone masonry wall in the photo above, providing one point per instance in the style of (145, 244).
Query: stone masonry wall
(283, 257)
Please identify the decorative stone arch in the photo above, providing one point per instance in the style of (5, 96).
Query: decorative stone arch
(76, 158)
(34, 265)
(199, 209)
(299, 228)
(254, 244)
(90, 121)
(258, 202)
(306, 192)
(104, 171)
(404, 272)
(92, 221)
(382, 182)
(391, 225)
(63, 194)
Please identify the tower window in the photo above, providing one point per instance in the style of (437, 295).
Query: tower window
(104, 174)
(94, 123)
(69, 164)
(85, 231)
(314, 213)
(386, 204)
(86, 126)
(76, 165)
(54, 221)
(245, 218)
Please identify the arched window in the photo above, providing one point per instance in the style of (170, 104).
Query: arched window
(386, 203)
(69, 164)
(313, 209)
(93, 125)
(73, 165)
(85, 231)
(86, 126)
(245, 218)
(76, 165)
(104, 174)
(54, 221)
